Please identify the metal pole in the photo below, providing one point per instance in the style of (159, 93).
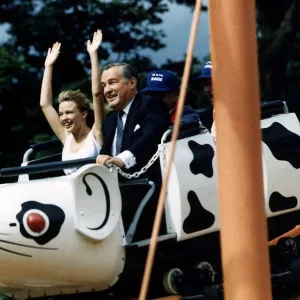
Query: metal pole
(46, 167)
(245, 259)
(175, 133)
(169, 298)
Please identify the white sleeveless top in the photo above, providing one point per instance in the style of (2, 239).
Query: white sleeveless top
(89, 148)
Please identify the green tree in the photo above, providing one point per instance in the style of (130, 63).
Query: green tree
(128, 27)
(12, 107)
(278, 38)
(278, 30)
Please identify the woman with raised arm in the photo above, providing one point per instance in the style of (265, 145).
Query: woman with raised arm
(70, 124)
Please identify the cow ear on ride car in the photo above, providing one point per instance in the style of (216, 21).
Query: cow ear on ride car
(97, 201)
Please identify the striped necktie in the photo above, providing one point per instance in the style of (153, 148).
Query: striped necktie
(119, 132)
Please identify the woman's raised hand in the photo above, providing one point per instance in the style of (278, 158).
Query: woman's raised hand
(97, 39)
(52, 54)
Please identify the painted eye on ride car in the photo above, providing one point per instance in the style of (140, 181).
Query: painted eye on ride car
(40, 222)
(35, 222)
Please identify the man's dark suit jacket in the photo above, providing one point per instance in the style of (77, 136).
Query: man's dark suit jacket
(152, 115)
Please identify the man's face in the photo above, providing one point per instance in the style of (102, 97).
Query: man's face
(169, 98)
(207, 83)
(118, 90)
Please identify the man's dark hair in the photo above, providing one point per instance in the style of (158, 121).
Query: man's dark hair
(127, 71)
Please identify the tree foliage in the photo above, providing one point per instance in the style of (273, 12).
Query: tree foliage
(128, 26)
(278, 38)
(278, 29)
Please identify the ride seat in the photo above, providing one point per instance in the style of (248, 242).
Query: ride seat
(272, 108)
(187, 129)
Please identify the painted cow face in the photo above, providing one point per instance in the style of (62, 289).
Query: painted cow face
(40, 222)
(36, 221)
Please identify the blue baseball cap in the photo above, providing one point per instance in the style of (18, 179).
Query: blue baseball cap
(206, 73)
(161, 81)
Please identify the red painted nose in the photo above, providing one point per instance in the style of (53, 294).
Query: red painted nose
(36, 222)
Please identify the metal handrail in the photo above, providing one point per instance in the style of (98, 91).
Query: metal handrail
(46, 167)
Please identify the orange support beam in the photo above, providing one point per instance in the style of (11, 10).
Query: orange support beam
(175, 133)
(169, 298)
(291, 234)
(244, 248)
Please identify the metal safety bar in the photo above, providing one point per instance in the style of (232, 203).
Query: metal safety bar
(46, 167)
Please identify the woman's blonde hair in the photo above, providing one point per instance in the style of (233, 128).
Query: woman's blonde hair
(81, 101)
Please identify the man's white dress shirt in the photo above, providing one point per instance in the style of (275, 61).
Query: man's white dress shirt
(126, 156)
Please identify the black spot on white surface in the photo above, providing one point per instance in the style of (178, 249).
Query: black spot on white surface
(284, 144)
(277, 202)
(199, 218)
(56, 218)
(203, 157)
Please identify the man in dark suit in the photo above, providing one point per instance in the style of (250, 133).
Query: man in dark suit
(131, 135)
(133, 131)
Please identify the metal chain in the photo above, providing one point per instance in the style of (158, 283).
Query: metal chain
(161, 148)
(144, 169)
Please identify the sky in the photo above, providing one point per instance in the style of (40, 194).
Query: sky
(177, 23)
